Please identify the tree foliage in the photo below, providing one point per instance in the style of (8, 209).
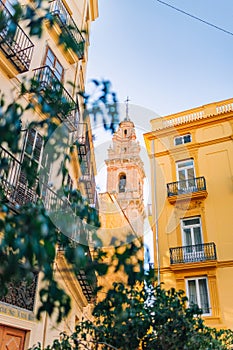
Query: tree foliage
(147, 317)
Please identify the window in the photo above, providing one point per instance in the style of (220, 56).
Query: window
(52, 61)
(185, 175)
(197, 292)
(125, 132)
(192, 239)
(191, 229)
(32, 154)
(180, 140)
(122, 183)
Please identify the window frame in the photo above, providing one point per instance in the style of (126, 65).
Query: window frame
(182, 138)
(192, 226)
(196, 279)
(53, 66)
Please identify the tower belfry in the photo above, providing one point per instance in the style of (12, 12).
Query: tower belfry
(125, 173)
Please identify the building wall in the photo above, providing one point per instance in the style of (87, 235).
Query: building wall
(211, 150)
(12, 318)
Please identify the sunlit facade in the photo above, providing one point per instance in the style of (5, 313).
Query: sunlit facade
(191, 155)
(22, 56)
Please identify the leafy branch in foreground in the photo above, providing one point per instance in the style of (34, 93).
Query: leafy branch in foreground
(147, 317)
(29, 239)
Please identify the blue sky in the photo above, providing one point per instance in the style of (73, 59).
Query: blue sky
(164, 60)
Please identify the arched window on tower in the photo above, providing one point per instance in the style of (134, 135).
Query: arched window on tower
(122, 182)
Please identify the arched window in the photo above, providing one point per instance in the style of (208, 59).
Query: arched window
(122, 182)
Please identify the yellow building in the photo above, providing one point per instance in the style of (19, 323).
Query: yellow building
(51, 64)
(191, 156)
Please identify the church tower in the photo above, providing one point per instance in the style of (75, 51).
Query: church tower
(125, 173)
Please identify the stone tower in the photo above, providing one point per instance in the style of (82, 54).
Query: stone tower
(125, 174)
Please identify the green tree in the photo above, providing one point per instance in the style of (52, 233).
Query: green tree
(147, 317)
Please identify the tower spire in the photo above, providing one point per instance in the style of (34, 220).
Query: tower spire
(127, 108)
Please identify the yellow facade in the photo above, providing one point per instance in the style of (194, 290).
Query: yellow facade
(191, 155)
(41, 59)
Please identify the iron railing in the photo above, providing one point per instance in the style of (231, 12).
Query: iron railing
(14, 42)
(193, 253)
(81, 137)
(87, 280)
(19, 192)
(46, 82)
(66, 22)
(186, 186)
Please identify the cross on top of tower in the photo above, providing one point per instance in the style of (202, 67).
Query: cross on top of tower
(127, 108)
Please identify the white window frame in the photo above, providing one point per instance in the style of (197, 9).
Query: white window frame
(197, 252)
(196, 279)
(182, 138)
(192, 226)
(185, 167)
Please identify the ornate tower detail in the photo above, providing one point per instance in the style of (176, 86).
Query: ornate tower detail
(125, 174)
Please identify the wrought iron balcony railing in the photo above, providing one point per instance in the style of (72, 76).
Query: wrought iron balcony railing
(46, 82)
(81, 136)
(193, 253)
(68, 25)
(14, 42)
(90, 187)
(87, 281)
(18, 192)
(193, 185)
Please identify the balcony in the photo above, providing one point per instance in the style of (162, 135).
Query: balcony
(87, 280)
(187, 189)
(14, 185)
(90, 187)
(193, 253)
(46, 83)
(15, 44)
(67, 24)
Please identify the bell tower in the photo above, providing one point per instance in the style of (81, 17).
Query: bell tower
(125, 173)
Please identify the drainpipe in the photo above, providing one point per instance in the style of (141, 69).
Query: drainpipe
(154, 179)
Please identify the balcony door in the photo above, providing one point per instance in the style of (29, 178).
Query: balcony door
(192, 239)
(31, 161)
(53, 63)
(185, 175)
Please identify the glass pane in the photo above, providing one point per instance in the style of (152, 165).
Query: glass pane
(190, 173)
(191, 222)
(185, 164)
(58, 70)
(30, 141)
(187, 138)
(181, 174)
(178, 141)
(10, 6)
(187, 237)
(50, 59)
(197, 235)
(204, 296)
(192, 293)
(38, 147)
